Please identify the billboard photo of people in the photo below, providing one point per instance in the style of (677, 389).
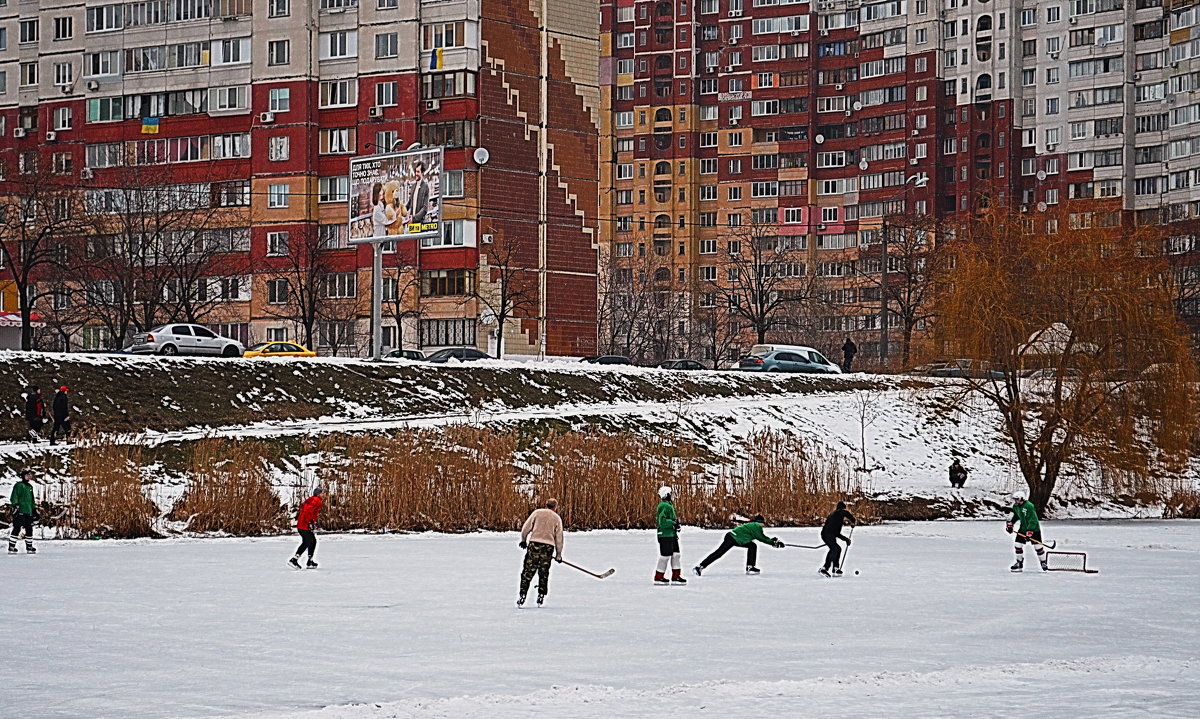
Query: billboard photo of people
(396, 196)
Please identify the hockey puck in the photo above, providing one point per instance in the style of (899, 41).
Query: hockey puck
(856, 572)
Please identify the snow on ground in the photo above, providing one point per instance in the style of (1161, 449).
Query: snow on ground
(424, 626)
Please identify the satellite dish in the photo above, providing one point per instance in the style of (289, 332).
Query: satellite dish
(1041, 207)
(481, 156)
(857, 106)
(819, 138)
(862, 164)
(1041, 174)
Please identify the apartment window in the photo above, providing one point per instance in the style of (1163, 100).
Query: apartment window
(444, 35)
(447, 283)
(234, 51)
(29, 74)
(226, 99)
(277, 294)
(278, 148)
(62, 118)
(341, 285)
(278, 244)
(333, 189)
(389, 4)
(448, 84)
(63, 74)
(279, 99)
(64, 28)
(336, 141)
(387, 94)
(338, 44)
(279, 8)
(278, 195)
(450, 134)
(1052, 106)
(279, 52)
(386, 45)
(1029, 17)
(28, 30)
(339, 93)
(104, 18)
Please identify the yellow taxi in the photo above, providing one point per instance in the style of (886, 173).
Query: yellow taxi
(278, 349)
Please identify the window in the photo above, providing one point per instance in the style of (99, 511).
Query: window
(279, 8)
(444, 35)
(333, 189)
(338, 44)
(29, 74)
(279, 99)
(63, 74)
(387, 94)
(104, 18)
(440, 333)
(448, 84)
(336, 141)
(225, 99)
(278, 148)
(64, 28)
(278, 195)
(279, 52)
(277, 244)
(234, 51)
(447, 283)
(29, 31)
(386, 45)
(341, 285)
(339, 93)
(62, 118)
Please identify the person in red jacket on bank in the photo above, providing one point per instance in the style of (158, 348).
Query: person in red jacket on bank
(305, 521)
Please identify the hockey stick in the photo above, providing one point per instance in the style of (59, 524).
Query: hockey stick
(847, 552)
(805, 546)
(1051, 545)
(609, 573)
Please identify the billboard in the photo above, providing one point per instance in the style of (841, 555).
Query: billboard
(396, 196)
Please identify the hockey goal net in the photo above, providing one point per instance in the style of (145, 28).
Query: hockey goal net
(1068, 562)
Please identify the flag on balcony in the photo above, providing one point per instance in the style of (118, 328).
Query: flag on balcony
(149, 125)
(435, 59)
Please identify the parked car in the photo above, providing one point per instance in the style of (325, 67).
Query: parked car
(787, 358)
(967, 368)
(278, 349)
(185, 339)
(462, 354)
(924, 370)
(607, 359)
(406, 354)
(681, 364)
(1051, 373)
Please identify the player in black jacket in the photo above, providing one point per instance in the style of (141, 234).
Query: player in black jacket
(830, 533)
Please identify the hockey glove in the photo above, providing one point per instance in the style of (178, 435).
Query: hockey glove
(558, 559)
(1008, 528)
(524, 544)
(1029, 534)
(676, 525)
(847, 541)
(778, 544)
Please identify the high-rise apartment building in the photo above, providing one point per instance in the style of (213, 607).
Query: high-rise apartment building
(824, 130)
(253, 109)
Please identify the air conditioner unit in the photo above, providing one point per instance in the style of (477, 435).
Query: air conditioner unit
(795, 33)
(1050, 147)
(1073, 20)
(733, 41)
(433, 105)
(93, 85)
(86, 173)
(730, 68)
(487, 238)
(735, 13)
(847, 113)
(266, 118)
(824, 33)
(913, 160)
(839, 86)
(711, 69)
(67, 89)
(18, 132)
(733, 123)
(1053, 56)
(375, 112)
(51, 136)
(916, 132)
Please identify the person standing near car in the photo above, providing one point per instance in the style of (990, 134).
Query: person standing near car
(35, 413)
(24, 512)
(849, 350)
(668, 539)
(60, 410)
(306, 521)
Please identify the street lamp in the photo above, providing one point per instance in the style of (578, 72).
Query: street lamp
(915, 180)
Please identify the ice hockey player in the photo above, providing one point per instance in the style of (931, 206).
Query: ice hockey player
(305, 521)
(668, 539)
(742, 535)
(830, 533)
(1025, 518)
(24, 512)
(542, 540)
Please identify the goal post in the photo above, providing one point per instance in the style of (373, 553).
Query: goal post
(1068, 562)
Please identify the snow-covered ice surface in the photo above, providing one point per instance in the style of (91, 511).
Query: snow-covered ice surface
(424, 626)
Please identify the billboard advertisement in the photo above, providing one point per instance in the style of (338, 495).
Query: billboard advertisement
(396, 196)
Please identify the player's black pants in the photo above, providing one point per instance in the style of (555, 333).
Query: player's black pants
(308, 541)
(835, 551)
(729, 543)
(19, 522)
(61, 426)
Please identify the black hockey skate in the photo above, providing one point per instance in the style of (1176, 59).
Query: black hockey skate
(541, 598)
(293, 561)
(824, 572)
(1018, 565)
(697, 570)
(311, 564)
(753, 570)
(837, 571)
(521, 601)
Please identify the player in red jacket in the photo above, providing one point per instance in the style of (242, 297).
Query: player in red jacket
(305, 521)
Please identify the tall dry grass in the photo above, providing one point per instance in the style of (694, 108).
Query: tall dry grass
(107, 498)
(229, 490)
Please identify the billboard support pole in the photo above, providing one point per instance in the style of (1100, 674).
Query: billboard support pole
(377, 301)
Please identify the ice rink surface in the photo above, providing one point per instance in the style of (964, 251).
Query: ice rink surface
(425, 626)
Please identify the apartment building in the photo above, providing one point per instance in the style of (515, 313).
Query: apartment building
(833, 126)
(254, 110)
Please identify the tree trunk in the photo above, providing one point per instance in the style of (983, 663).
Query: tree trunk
(26, 320)
(499, 337)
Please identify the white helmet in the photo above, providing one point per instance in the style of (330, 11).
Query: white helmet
(664, 491)
(1020, 496)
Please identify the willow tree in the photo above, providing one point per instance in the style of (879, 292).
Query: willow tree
(1074, 341)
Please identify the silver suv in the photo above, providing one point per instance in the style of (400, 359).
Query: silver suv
(185, 339)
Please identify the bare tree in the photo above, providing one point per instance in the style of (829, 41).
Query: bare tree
(404, 303)
(303, 268)
(762, 277)
(632, 306)
(507, 287)
(40, 217)
(868, 406)
(1091, 310)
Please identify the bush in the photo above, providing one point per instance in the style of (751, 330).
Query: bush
(107, 498)
(230, 490)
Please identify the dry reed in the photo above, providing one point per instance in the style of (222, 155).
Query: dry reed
(229, 490)
(107, 497)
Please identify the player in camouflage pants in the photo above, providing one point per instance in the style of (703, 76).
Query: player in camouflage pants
(537, 561)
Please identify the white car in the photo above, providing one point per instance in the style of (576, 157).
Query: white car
(182, 339)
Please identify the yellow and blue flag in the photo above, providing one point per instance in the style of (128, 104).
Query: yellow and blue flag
(435, 59)
(149, 125)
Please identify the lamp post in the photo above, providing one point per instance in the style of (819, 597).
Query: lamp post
(916, 180)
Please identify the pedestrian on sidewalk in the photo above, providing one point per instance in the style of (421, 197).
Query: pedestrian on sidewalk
(24, 512)
(830, 533)
(35, 413)
(849, 351)
(306, 522)
(744, 536)
(60, 410)
(542, 540)
(668, 540)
